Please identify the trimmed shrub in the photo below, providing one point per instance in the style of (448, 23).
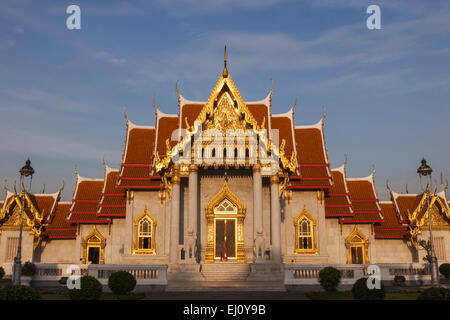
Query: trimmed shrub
(329, 278)
(19, 292)
(445, 269)
(2, 272)
(121, 282)
(90, 289)
(399, 280)
(28, 269)
(434, 293)
(360, 291)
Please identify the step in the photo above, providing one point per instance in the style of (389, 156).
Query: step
(225, 271)
(221, 286)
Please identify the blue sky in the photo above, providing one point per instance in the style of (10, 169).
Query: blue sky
(386, 91)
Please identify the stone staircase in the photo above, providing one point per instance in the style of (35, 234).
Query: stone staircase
(225, 271)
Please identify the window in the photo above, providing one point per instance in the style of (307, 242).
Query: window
(305, 229)
(305, 237)
(13, 243)
(439, 247)
(357, 247)
(144, 233)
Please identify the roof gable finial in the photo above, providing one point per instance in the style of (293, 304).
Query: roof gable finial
(225, 71)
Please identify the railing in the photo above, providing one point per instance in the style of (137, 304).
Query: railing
(308, 274)
(144, 274)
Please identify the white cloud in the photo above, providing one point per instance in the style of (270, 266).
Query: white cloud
(109, 58)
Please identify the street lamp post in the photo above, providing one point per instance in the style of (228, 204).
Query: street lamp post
(25, 172)
(425, 171)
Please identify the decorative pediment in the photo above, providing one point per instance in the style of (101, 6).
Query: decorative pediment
(226, 96)
(10, 216)
(225, 197)
(356, 237)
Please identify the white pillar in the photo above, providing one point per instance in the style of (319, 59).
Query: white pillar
(276, 219)
(258, 230)
(175, 216)
(193, 208)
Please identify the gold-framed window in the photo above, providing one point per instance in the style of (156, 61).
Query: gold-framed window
(144, 233)
(357, 245)
(305, 233)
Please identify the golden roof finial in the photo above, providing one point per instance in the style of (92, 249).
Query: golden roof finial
(346, 160)
(225, 71)
(373, 170)
(324, 113)
(76, 171)
(154, 106)
(125, 112)
(295, 103)
(43, 188)
(176, 88)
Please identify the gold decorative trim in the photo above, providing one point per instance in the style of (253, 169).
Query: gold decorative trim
(313, 225)
(93, 239)
(136, 249)
(225, 193)
(357, 239)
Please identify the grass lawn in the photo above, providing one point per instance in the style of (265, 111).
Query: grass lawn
(5, 280)
(104, 296)
(347, 295)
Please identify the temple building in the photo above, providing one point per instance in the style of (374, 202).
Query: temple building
(224, 188)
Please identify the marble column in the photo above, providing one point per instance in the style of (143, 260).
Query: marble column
(193, 208)
(275, 219)
(258, 230)
(175, 216)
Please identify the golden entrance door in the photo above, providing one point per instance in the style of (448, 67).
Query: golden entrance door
(225, 215)
(225, 236)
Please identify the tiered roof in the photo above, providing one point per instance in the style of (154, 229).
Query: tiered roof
(312, 158)
(86, 200)
(112, 201)
(59, 227)
(136, 167)
(337, 201)
(391, 227)
(364, 199)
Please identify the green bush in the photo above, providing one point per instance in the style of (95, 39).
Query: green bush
(445, 269)
(28, 269)
(399, 280)
(2, 272)
(90, 289)
(360, 291)
(19, 292)
(435, 293)
(329, 278)
(121, 282)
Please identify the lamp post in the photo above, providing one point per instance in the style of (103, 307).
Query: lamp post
(425, 171)
(25, 172)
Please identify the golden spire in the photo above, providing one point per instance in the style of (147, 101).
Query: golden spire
(225, 71)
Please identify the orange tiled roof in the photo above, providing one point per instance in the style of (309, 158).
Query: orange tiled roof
(260, 112)
(390, 228)
(284, 126)
(165, 128)
(86, 200)
(364, 200)
(405, 203)
(312, 159)
(337, 201)
(60, 227)
(112, 202)
(136, 167)
(45, 204)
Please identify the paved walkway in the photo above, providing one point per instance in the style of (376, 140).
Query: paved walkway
(228, 295)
